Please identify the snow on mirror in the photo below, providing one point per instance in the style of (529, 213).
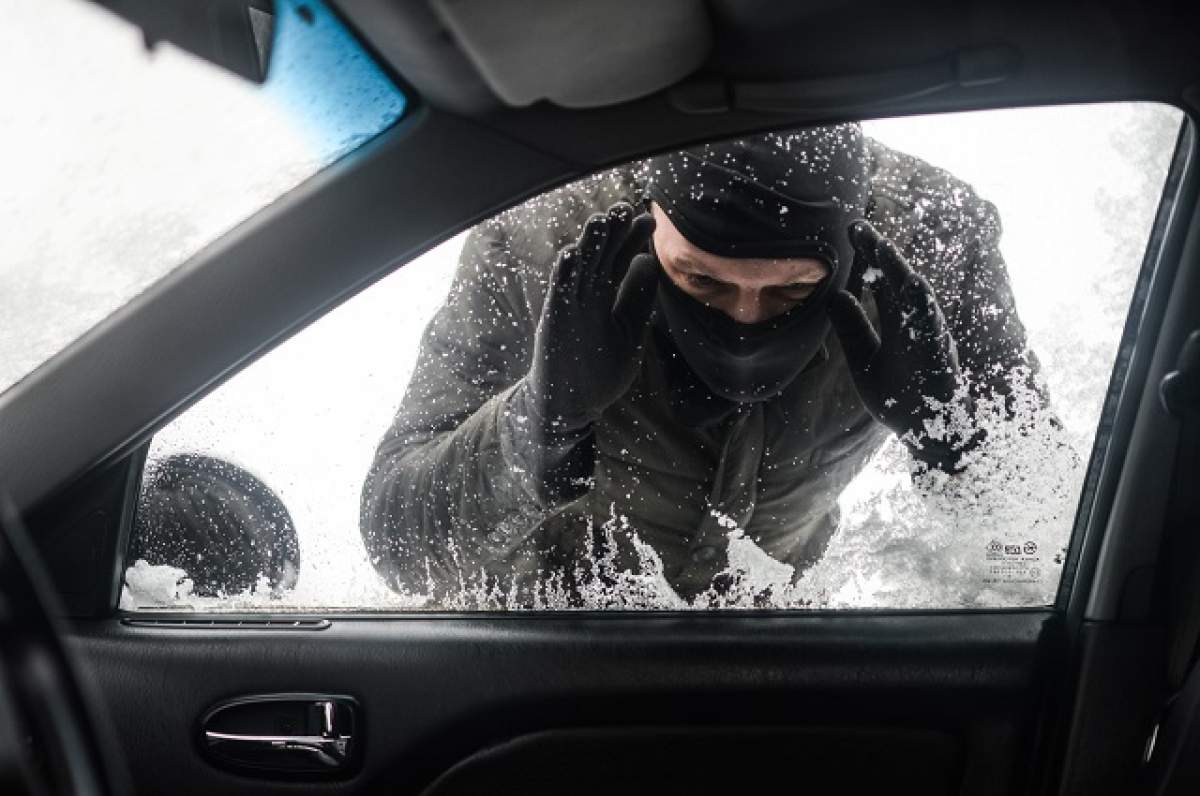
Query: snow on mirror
(858, 366)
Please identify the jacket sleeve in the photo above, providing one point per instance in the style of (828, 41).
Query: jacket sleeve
(956, 245)
(460, 482)
(981, 313)
(952, 237)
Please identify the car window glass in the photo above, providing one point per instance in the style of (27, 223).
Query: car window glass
(761, 402)
(120, 162)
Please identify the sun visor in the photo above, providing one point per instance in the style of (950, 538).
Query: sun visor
(579, 55)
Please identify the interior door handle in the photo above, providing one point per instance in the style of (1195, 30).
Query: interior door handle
(325, 752)
(289, 735)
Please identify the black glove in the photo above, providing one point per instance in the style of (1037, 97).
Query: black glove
(594, 324)
(907, 374)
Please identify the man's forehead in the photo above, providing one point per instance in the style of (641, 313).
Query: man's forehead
(683, 253)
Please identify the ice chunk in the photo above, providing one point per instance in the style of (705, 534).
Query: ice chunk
(154, 585)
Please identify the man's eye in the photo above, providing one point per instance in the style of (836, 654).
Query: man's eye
(799, 290)
(702, 281)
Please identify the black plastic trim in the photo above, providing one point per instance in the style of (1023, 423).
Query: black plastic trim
(366, 615)
(225, 623)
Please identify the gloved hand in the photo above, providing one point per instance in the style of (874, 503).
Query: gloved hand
(907, 373)
(594, 324)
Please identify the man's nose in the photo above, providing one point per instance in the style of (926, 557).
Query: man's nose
(748, 307)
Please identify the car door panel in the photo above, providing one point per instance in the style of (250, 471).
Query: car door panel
(959, 691)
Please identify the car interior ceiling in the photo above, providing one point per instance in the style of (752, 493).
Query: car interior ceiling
(1059, 700)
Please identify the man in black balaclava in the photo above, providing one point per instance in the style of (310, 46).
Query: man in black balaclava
(651, 350)
(760, 255)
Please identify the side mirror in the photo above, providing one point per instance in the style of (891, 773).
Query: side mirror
(235, 34)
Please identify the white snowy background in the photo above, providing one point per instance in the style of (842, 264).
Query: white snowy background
(119, 164)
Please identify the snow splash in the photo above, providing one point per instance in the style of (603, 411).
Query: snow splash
(154, 585)
(994, 535)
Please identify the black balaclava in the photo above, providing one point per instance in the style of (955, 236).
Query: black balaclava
(779, 195)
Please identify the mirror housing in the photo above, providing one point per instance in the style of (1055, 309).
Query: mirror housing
(234, 34)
